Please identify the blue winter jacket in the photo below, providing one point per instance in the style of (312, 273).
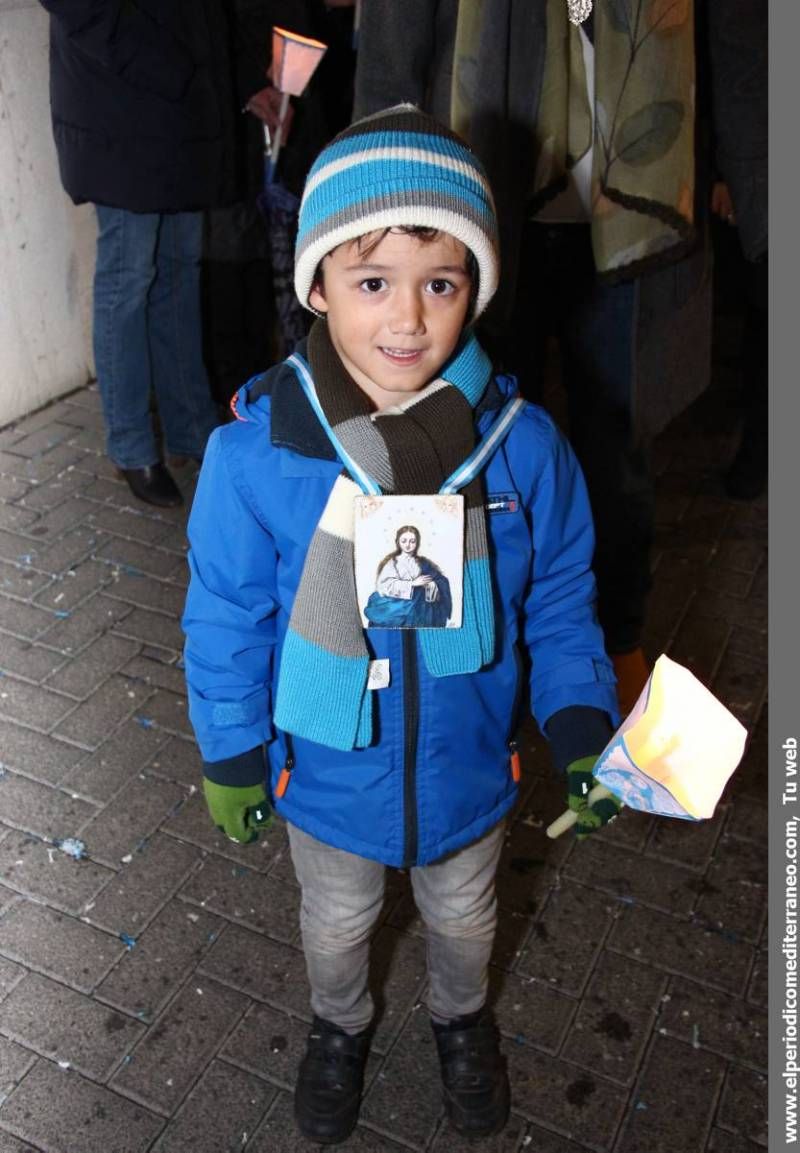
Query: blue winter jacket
(439, 774)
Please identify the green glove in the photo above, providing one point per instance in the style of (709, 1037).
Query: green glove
(580, 782)
(238, 811)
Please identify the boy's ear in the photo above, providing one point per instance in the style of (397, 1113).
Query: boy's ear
(316, 297)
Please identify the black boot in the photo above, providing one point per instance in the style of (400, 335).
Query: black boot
(474, 1077)
(328, 1091)
(153, 485)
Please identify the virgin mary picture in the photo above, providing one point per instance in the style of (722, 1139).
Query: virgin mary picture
(411, 591)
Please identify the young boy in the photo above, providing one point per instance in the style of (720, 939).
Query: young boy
(397, 255)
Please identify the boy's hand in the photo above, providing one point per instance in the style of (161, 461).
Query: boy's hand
(238, 811)
(580, 782)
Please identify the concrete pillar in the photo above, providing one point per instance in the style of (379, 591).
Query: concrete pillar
(46, 243)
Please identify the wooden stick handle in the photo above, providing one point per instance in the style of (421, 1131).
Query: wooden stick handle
(569, 816)
(278, 137)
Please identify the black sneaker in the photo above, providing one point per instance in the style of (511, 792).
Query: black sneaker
(328, 1091)
(474, 1077)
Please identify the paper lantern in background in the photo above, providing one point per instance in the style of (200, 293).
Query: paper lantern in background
(294, 60)
(674, 752)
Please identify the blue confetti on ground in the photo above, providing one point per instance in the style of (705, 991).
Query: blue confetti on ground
(145, 722)
(127, 940)
(72, 847)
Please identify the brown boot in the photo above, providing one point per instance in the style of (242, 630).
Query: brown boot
(632, 671)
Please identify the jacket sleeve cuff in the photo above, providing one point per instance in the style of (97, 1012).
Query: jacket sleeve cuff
(240, 771)
(576, 732)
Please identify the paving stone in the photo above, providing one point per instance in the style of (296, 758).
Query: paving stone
(220, 1114)
(9, 1144)
(58, 1023)
(134, 525)
(741, 683)
(264, 969)
(132, 557)
(76, 585)
(20, 580)
(40, 809)
(168, 711)
(71, 512)
(136, 893)
(743, 1107)
(157, 595)
(108, 490)
(42, 437)
(158, 673)
(52, 1106)
(734, 895)
(529, 1011)
(96, 615)
(32, 705)
(116, 762)
(14, 1063)
(32, 867)
(278, 1134)
(675, 1100)
(192, 823)
(748, 820)
(17, 549)
(178, 760)
(9, 975)
(721, 1141)
(137, 811)
(741, 554)
(406, 1095)
(752, 776)
(59, 946)
(270, 1043)
(24, 620)
(751, 613)
(689, 843)
(33, 662)
(509, 1141)
(102, 657)
(12, 489)
(603, 866)
(63, 555)
(682, 948)
(162, 958)
(529, 857)
(56, 488)
(757, 989)
(176, 1049)
(727, 1025)
(616, 1017)
(43, 468)
(242, 895)
(15, 518)
(511, 934)
(45, 758)
(560, 1096)
(152, 628)
(397, 973)
(730, 582)
(566, 939)
(700, 643)
(91, 722)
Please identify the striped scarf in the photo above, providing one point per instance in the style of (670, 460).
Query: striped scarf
(322, 683)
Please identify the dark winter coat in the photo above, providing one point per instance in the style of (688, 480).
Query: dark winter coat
(142, 102)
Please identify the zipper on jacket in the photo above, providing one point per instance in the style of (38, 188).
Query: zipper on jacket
(288, 765)
(410, 736)
(516, 764)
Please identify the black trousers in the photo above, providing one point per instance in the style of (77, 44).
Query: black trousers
(559, 295)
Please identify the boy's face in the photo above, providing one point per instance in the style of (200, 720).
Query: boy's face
(395, 314)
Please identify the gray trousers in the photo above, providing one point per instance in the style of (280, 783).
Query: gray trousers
(342, 900)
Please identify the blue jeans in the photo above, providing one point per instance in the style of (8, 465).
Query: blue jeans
(147, 334)
(342, 900)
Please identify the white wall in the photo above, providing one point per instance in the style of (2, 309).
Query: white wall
(46, 244)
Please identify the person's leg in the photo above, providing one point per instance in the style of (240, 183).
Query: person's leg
(187, 411)
(522, 350)
(598, 355)
(746, 478)
(342, 898)
(124, 274)
(456, 899)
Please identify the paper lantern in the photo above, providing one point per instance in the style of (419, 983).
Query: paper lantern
(294, 60)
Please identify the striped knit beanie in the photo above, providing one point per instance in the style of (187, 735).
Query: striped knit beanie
(396, 167)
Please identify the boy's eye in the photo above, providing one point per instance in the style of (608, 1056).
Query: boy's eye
(441, 287)
(374, 284)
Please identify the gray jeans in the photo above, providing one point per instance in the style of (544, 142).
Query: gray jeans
(342, 900)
